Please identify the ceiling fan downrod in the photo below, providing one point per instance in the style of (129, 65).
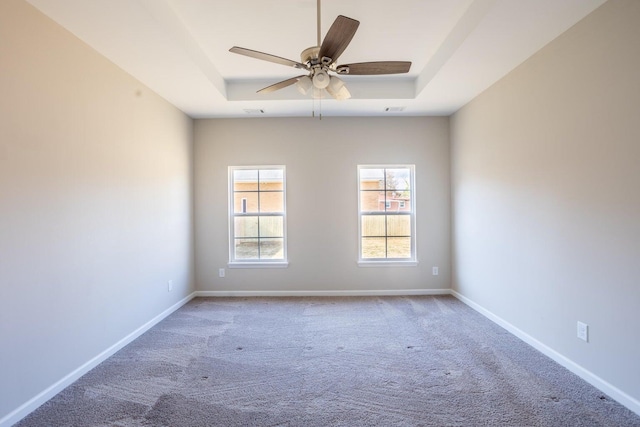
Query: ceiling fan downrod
(318, 15)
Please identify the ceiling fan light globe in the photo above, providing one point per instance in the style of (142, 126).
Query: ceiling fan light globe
(303, 85)
(337, 89)
(335, 83)
(343, 94)
(321, 79)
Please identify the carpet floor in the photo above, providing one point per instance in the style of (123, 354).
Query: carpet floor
(354, 361)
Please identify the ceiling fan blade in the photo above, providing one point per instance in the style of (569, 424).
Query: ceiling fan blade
(279, 85)
(338, 38)
(370, 68)
(267, 57)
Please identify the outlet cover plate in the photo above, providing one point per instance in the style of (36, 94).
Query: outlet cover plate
(583, 331)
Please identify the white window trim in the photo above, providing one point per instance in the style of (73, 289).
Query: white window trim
(262, 264)
(390, 262)
(253, 263)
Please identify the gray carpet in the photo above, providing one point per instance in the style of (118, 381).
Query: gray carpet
(392, 361)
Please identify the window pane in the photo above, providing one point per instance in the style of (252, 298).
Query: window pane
(373, 247)
(399, 247)
(245, 180)
(246, 248)
(398, 225)
(272, 248)
(271, 226)
(371, 179)
(271, 202)
(251, 203)
(245, 226)
(271, 179)
(373, 225)
(398, 179)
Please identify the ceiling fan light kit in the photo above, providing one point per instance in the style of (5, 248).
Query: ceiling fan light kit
(320, 60)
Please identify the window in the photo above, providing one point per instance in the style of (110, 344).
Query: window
(386, 206)
(257, 226)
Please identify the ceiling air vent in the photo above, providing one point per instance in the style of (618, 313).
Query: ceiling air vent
(254, 110)
(394, 109)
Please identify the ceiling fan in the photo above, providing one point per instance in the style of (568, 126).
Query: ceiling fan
(320, 60)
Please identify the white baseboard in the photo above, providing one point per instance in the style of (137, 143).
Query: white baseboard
(324, 293)
(32, 404)
(602, 385)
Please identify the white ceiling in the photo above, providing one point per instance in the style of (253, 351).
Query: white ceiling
(179, 48)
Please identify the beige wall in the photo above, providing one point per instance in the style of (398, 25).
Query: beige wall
(321, 157)
(546, 196)
(95, 204)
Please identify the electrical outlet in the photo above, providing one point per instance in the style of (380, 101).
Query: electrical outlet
(435, 271)
(169, 285)
(221, 272)
(583, 331)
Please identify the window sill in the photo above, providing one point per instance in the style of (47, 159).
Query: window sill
(279, 264)
(387, 263)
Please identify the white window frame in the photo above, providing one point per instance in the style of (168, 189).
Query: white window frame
(376, 262)
(256, 262)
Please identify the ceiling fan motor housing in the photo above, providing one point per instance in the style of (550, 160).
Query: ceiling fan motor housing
(310, 55)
